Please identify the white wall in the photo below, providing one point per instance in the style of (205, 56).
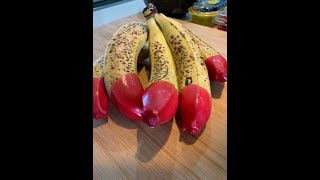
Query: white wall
(117, 11)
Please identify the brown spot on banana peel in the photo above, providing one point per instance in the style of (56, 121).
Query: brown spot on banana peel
(215, 62)
(98, 67)
(194, 100)
(160, 99)
(188, 81)
(120, 70)
(186, 60)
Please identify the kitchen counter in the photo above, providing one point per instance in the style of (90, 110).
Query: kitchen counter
(124, 149)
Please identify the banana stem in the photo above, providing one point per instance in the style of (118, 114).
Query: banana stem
(149, 11)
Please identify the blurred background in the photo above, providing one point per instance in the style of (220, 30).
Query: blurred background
(106, 11)
(201, 12)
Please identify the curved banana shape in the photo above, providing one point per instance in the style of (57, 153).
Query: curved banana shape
(120, 72)
(216, 63)
(160, 99)
(194, 84)
(100, 97)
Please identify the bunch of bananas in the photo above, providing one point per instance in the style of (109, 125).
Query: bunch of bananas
(182, 66)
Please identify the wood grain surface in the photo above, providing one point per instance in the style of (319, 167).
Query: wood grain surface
(124, 149)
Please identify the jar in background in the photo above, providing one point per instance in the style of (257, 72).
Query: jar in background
(203, 11)
(221, 19)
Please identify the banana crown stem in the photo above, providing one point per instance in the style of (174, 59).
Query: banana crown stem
(149, 11)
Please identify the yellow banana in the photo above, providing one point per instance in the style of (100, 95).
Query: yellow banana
(215, 62)
(160, 99)
(187, 55)
(120, 70)
(195, 94)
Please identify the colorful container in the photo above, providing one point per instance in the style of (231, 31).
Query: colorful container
(203, 12)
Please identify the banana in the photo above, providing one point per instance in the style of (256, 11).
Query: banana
(120, 70)
(160, 98)
(194, 85)
(100, 98)
(143, 54)
(215, 62)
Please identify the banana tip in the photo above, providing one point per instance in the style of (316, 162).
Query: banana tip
(100, 115)
(192, 131)
(126, 94)
(194, 108)
(222, 77)
(150, 118)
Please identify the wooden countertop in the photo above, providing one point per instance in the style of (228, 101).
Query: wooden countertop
(124, 149)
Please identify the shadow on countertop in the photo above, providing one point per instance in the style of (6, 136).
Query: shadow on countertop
(119, 119)
(184, 136)
(216, 89)
(99, 122)
(151, 140)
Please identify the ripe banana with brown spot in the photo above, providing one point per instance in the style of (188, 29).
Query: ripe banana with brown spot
(160, 98)
(194, 84)
(120, 70)
(215, 62)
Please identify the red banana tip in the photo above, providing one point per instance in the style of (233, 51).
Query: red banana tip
(221, 77)
(126, 94)
(160, 103)
(194, 108)
(98, 115)
(192, 129)
(151, 118)
(217, 68)
(100, 99)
